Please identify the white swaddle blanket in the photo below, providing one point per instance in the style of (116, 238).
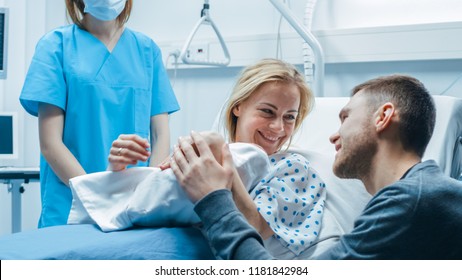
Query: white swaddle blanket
(147, 196)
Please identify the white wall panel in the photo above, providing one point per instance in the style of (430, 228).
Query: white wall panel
(431, 41)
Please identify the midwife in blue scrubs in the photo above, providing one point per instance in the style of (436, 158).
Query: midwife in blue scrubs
(90, 83)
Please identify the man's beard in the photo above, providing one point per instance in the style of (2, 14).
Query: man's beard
(355, 160)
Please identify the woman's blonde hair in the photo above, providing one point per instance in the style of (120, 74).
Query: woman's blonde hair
(75, 10)
(254, 76)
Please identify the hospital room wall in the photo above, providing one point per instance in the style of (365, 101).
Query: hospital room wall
(201, 92)
(28, 21)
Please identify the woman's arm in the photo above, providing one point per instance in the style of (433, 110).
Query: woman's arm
(247, 206)
(291, 199)
(61, 160)
(160, 139)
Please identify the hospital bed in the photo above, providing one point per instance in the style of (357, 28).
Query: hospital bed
(345, 200)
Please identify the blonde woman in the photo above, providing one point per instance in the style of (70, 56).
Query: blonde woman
(268, 104)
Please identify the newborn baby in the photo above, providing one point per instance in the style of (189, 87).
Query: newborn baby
(147, 196)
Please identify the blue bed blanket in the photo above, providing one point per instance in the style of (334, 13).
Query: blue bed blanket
(89, 242)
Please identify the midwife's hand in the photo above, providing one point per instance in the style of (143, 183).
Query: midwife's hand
(198, 171)
(128, 149)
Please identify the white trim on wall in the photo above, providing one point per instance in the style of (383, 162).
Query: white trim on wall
(431, 41)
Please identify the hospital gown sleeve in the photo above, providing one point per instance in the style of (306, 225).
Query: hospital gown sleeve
(45, 80)
(291, 200)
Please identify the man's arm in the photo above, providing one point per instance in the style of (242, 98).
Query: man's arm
(382, 231)
(208, 181)
(228, 232)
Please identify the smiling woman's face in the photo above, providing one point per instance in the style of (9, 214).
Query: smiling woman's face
(268, 117)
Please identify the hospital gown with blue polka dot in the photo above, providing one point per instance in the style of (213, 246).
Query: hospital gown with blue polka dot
(291, 199)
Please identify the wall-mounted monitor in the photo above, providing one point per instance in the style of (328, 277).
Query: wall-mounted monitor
(3, 42)
(8, 136)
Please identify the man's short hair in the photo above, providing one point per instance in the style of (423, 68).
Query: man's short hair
(414, 105)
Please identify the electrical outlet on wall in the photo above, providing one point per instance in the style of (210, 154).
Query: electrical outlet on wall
(198, 51)
(172, 54)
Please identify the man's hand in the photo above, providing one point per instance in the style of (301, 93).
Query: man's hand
(214, 140)
(199, 172)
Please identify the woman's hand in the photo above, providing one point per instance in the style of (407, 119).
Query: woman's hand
(128, 149)
(198, 171)
(165, 164)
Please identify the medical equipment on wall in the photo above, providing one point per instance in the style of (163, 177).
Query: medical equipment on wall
(4, 14)
(205, 20)
(308, 59)
(9, 135)
(309, 38)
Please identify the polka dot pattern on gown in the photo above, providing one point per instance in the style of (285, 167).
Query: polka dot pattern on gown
(291, 199)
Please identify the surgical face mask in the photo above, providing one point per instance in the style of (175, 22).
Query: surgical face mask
(104, 9)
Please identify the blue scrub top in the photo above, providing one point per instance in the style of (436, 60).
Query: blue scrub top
(103, 94)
